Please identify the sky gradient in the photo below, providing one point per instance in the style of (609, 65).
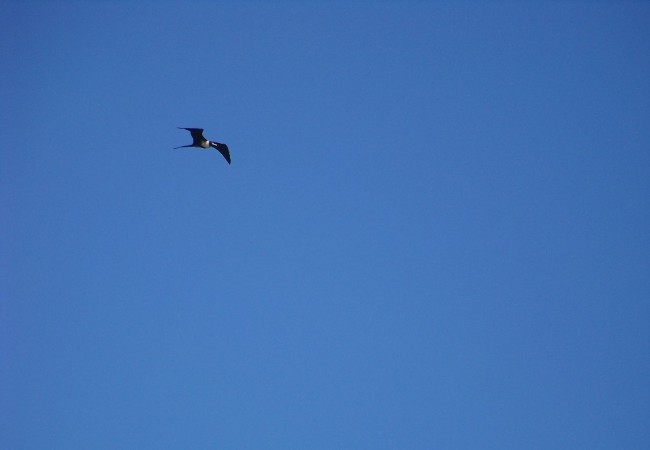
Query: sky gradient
(434, 232)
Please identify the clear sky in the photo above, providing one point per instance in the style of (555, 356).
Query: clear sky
(434, 232)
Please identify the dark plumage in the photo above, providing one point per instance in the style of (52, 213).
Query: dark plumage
(201, 142)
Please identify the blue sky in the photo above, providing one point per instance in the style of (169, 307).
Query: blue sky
(434, 232)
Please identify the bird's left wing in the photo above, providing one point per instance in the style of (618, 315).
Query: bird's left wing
(223, 149)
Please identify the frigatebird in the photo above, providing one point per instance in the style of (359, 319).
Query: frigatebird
(200, 141)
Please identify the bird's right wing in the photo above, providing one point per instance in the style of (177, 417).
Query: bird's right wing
(197, 133)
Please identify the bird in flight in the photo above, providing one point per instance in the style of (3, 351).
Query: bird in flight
(200, 141)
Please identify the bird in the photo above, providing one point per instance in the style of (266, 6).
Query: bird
(200, 141)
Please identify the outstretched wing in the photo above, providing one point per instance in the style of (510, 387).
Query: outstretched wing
(223, 149)
(197, 133)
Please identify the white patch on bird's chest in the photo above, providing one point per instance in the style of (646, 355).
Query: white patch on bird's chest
(205, 144)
